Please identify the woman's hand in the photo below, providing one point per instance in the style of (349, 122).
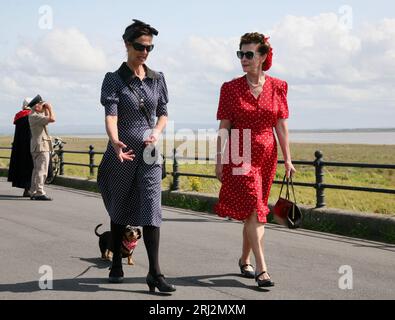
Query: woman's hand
(219, 167)
(218, 171)
(289, 169)
(152, 138)
(118, 146)
(222, 140)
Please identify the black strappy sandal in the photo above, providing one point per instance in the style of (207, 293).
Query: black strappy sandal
(264, 282)
(246, 273)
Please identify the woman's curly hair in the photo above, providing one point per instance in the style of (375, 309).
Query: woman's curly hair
(263, 48)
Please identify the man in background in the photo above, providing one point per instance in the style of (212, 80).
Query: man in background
(40, 145)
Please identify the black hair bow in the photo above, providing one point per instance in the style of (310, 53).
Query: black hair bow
(138, 23)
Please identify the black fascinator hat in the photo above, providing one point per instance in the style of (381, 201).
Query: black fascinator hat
(137, 29)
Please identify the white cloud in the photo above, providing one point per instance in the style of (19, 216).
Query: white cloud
(8, 85)
(329, 68)
(63, 66)
(71, 49)
(314, 49)
(319, 50)
(378, 57)
(60, 53)
(213, 53)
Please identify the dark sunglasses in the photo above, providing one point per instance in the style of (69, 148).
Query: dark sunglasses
(140, 47)
(249, 54)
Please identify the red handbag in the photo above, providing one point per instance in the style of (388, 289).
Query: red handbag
(286, 212)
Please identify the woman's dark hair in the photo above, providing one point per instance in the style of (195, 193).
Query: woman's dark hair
(137, 29)
(258, 38)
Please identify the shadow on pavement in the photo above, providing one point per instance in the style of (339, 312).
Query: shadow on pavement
(189, 220)
(97, 263)
(218, 282)
(11, 197)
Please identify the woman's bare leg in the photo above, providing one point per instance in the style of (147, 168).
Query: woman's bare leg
(246, 251)
(255, 231)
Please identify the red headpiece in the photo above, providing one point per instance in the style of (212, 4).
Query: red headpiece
(268, 62)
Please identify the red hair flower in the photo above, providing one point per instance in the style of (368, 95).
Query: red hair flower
(268, 62)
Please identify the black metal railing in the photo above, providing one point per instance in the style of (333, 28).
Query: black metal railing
(318, 164)
(91, 153)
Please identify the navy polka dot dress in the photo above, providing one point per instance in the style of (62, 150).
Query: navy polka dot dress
(131, 190)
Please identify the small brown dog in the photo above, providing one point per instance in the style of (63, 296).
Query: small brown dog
(129, 242)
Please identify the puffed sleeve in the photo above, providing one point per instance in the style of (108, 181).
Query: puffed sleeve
(161, 110)
(224, 111)
(109, 95)
(282, 103)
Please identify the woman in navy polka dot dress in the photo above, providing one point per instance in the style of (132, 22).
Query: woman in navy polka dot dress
(255, 103)
(129, 178)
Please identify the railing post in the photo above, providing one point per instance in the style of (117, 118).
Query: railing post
(61, 160)
(91, 161)
(319, 179)
(176, 178)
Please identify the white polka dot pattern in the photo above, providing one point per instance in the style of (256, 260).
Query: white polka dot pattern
(241, 195)
(131, 190)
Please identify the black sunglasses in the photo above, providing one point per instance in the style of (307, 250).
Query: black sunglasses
(249, 54)
(140, 47)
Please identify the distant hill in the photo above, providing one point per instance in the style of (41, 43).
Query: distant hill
(343, 130)
(99, 129)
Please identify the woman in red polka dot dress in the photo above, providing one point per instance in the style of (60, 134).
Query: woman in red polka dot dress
(249, 108)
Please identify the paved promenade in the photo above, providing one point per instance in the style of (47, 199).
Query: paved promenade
(199, 254)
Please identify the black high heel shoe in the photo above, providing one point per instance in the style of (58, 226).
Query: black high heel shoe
(116, 274)
(264, 282)
(159, 282)
(246, 273)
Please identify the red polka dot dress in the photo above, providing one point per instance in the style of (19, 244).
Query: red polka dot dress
(246, 185)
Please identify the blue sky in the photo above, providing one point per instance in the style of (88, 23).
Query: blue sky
(174, 17)
(195, 49)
